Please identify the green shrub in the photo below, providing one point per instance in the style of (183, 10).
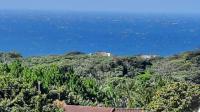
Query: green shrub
(176, 97)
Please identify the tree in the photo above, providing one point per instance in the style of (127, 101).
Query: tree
(176, 97)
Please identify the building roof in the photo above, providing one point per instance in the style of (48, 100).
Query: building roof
(72, 108)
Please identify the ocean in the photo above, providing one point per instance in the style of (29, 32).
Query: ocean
(34, 33)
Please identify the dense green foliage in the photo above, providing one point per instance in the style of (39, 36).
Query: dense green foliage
(157, 84)
(176, 97)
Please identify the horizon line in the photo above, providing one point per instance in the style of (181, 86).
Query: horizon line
(100, 12)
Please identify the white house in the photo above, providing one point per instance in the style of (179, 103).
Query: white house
(103, 54)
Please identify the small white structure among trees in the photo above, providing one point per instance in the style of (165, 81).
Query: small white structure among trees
(103, 54)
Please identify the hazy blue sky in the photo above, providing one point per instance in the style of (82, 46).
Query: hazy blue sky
(163, 6)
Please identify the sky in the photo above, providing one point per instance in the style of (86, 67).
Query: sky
(132, 6)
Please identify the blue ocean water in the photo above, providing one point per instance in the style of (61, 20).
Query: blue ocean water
(43, 33)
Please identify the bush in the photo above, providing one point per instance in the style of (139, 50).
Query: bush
(176, 97)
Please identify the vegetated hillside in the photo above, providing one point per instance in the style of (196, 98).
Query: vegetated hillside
(156, 84)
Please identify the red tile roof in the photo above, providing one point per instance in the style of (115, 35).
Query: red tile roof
(72, 108)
